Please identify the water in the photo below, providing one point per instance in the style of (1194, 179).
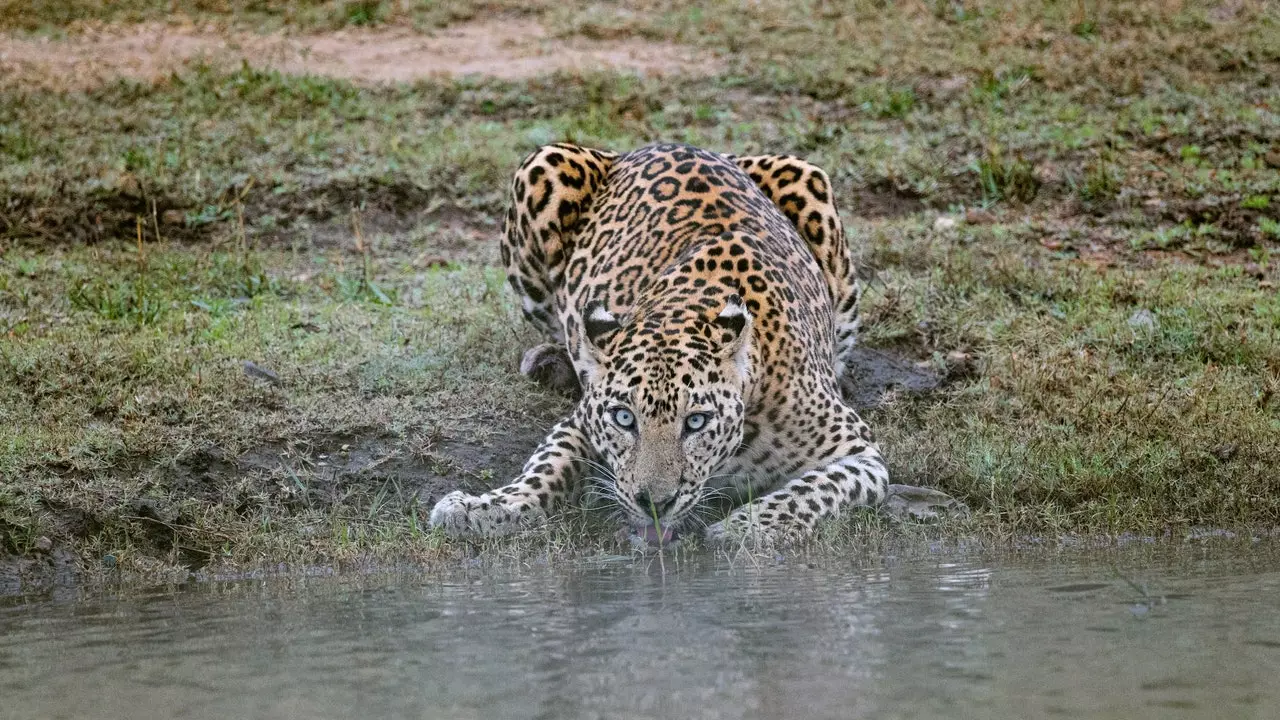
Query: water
(1143, 632)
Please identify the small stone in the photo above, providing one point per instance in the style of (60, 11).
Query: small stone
(172, 217)
(1225, 452)
(944, 223)
(108, 561)
(43, 544)
(1273, 158)
(908, 503)
(1143, 320)
(979, 217)
(959, 363)
(257, 372)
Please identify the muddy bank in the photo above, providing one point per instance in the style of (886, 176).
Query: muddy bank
(298, 480)
(40, 572)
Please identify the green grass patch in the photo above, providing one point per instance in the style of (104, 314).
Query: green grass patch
(58, 16)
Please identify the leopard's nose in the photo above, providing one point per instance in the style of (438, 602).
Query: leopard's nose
(658, 506)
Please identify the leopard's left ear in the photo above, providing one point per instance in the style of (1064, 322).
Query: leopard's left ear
(733, 330)
(598, 323)
(598, 327)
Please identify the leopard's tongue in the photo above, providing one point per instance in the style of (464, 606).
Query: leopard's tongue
(652, 535)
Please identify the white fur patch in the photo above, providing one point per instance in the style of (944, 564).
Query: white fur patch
(601, 314)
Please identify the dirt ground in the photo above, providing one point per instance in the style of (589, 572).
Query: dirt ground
(503, 48)
(427, 472)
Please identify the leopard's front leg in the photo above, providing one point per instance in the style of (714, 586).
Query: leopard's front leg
(853, 474)
(551, 477)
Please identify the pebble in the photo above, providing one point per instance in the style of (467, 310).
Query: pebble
(256, 371)
(1143, 319)
(979, 217)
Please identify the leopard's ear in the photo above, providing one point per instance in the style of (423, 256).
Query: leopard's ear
(732, 319)
(732, 336)
(598, 323)
(598, 327)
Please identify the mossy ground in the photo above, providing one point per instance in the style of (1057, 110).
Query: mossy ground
(1105, 310)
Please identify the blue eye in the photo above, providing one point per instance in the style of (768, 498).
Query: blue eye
(695, 422)
(624, 418)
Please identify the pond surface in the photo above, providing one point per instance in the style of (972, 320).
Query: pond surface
(1141, 632)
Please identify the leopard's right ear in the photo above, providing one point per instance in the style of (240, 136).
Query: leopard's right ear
(598, 323)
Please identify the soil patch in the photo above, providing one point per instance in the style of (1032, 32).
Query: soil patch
(506, 48)
(875, 372)
(880, 203)
(321, 213)
(426, 469)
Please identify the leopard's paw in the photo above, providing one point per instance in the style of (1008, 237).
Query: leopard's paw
(460, 514)
(549, 365)
(740, 530)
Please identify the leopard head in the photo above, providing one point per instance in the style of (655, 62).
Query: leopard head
(663, 405)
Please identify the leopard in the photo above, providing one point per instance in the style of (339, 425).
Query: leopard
(705, 307)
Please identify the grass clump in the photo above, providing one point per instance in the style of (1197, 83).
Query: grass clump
(1100, 182)
(1005, 178)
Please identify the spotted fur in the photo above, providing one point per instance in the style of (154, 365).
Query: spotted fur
(707, 305)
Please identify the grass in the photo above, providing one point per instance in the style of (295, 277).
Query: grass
(1111, 281)
(55, 17)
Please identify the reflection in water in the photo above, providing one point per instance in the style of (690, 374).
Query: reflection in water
(1004, 637)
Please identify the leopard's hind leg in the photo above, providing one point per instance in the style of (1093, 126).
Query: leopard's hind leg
(803, 192)
(551, 193)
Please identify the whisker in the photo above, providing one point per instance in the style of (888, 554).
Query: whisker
(709, 493)
(600, 494)
(714, 489)
(605, 471)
